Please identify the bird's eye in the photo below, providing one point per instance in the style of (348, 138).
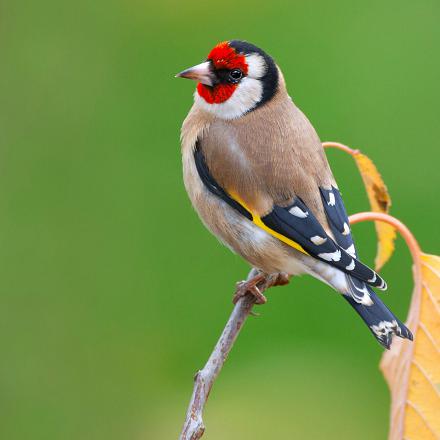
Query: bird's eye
(235, 75)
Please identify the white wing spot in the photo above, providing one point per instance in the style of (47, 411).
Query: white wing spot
(365, 299)
(383, 285)
(331, 201)
(346, 230)
(298, 212)
(350, 266)
(318, 240)
(331, 256)
(385, 327)
(372, 280)
(351, 251)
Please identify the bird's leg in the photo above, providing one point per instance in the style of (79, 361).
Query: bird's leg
(252, 286)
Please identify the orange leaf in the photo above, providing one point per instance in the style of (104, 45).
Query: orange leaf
(413, 370)
(380, 201)
(379, 198)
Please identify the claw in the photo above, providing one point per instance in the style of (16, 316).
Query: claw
(250, 287)
(244, 288)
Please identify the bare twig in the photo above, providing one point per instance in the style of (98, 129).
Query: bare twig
(193, 427)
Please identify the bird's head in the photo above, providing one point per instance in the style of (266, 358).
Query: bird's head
(236, 78)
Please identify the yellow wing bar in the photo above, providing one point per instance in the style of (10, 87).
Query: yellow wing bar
(256, 219)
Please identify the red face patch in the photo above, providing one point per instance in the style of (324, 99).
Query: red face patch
(222, 56)
(217, 94)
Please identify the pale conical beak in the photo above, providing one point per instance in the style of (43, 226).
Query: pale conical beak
(202, 73)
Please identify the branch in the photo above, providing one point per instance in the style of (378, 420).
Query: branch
(193, 427)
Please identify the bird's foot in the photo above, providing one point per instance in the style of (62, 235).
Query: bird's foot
(250, 286)
(281, 279)
(260, 281)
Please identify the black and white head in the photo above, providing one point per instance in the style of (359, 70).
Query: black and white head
(236, 78)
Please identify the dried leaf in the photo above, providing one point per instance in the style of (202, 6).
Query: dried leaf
(413, 370)
(380, 201)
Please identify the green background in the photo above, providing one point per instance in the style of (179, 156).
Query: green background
(113, 293)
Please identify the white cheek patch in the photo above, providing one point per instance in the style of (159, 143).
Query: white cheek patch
(245, 97)
(256, 66)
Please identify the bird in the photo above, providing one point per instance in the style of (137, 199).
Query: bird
(257, 175)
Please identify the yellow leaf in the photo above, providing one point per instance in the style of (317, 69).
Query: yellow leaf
(413, 370)
(379, 198)
(380, 201)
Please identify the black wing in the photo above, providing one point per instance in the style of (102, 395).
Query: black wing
(298, 223)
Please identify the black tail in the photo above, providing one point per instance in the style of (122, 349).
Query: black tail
(380, 320)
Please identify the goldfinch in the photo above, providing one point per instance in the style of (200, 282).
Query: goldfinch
(256, 173)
